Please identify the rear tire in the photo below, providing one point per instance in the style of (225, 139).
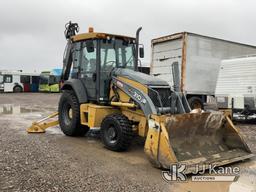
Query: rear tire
(195, 103)
(17, 89)
(69, 115)
(116, 132)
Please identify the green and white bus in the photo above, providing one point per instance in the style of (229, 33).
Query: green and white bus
(50, 81)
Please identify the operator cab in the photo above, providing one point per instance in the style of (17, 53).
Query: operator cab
(94, 57)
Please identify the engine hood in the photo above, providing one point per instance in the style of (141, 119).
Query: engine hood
(139, 77)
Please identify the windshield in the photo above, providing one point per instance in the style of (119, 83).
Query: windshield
(1, 78)
(44, 79)
(117, 53)
(54, 79)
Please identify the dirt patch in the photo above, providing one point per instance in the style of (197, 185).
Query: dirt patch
(54, 162)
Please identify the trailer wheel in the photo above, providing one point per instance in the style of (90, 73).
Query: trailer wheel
(17, 89)
(196, 103)
(69, 115)
(116, 132)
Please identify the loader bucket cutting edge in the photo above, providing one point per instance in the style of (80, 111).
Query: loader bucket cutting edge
(194, 139)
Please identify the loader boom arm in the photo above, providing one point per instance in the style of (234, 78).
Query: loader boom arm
(137, 95)
(67, 61)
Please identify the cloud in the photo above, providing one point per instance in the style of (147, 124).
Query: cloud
(31, 35)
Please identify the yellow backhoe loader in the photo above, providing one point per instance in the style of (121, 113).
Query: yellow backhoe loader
(103, 88)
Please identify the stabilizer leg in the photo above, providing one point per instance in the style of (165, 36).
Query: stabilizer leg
(40, 126)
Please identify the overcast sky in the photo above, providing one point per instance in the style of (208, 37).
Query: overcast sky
(31, 31)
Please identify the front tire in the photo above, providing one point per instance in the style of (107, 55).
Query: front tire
(116, 132)
(69, 115)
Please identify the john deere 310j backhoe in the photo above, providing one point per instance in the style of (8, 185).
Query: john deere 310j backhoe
(106, 90)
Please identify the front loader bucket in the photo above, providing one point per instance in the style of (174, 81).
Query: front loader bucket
(194, 139)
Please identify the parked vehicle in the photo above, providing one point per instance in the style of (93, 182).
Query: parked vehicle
(54, 80)
(145, 70)
(236, 85)
(17, 81)
(44, 81)
(50, 81)
(199, 59)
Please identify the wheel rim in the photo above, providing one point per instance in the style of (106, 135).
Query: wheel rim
(111, 134)
(70, 113)
(67, 113)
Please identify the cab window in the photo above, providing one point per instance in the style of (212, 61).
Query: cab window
(8, 78)
(25, 79)
(88, 61)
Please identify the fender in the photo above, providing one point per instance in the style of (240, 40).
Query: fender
(77, 86)
(19, 85)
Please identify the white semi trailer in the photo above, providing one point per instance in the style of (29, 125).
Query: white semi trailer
(236, 85)
(199, 60)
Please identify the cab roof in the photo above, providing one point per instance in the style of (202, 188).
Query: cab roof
(96, 35)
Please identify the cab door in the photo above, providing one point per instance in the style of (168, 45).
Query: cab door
(25, 80)
(87, 68)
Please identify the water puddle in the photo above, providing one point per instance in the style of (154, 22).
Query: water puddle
(10, 109)
(247, 179)
(54, 130)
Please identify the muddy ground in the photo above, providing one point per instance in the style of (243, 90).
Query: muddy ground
(55, 162)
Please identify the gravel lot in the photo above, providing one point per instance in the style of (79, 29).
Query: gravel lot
(54, 162)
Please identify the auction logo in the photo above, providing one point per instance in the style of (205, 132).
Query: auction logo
(177, 173)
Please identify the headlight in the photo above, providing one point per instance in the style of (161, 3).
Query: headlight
(1, 85)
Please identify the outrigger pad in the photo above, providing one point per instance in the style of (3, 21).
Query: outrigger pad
(41, 125)
(35, 128)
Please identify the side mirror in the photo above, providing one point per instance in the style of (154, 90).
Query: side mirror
(141, 52)
(89, 46)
